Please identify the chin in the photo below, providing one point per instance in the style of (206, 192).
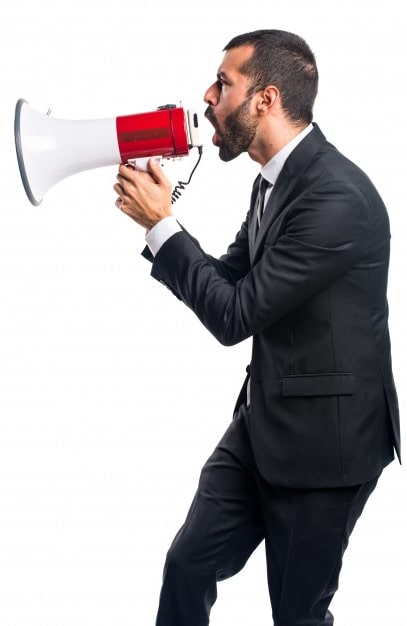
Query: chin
(226, 155)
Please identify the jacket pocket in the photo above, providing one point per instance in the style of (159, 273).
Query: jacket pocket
(329, 384)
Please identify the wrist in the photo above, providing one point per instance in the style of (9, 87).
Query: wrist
(160, 232)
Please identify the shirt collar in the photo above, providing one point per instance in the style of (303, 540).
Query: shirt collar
(272, 169)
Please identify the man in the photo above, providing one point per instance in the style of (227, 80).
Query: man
(317, 418)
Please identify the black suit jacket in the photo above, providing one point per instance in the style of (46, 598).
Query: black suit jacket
(310, 289)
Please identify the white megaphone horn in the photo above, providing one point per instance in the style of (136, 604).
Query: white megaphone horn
(50, 149)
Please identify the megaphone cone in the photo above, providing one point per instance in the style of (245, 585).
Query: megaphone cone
(50, 149)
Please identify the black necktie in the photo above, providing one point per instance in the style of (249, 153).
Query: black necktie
(263, 186)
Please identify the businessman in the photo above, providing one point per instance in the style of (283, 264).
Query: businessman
(316, 420)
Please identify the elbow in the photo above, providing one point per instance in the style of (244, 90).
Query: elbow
(229, 339)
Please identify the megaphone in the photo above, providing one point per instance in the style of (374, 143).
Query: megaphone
(50, 149)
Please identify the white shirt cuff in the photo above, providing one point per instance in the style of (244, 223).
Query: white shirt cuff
(162, 231)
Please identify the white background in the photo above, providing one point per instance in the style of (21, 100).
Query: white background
(111, 393)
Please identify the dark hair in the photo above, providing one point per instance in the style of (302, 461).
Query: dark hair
(285, 60)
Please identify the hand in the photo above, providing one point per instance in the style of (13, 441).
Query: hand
(144, 196)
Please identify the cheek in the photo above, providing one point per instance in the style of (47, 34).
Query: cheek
(225, 107)
(230, 101)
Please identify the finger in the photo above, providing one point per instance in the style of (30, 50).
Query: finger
(127, 173)
(122, 181)
(156, 171)
(154, 166)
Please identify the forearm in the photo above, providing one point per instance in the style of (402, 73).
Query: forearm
(232, 266)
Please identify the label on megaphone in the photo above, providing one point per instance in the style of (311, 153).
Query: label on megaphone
(157, 133)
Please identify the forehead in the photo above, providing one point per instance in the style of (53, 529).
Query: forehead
(234, 59)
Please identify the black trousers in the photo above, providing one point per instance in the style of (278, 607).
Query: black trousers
(306, 532)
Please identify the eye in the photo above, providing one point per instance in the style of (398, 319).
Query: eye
(221, 82)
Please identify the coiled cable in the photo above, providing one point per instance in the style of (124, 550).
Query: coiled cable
(182, 184)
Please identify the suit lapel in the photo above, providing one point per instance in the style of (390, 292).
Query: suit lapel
(274, 205)
(290, 176)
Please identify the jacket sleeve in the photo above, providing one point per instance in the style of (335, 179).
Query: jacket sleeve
(323, 235)
(233, 265)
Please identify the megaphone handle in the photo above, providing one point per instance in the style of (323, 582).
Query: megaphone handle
(141, 163)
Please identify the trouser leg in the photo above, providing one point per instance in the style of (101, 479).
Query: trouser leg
(223, 527)
(306, 534)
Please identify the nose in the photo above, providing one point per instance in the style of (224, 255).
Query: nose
(211, 95)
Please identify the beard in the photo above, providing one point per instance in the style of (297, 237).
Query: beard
(238, 131)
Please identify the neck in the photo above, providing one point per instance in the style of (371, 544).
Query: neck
(275, 137)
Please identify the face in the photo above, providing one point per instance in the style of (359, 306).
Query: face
(229, 110)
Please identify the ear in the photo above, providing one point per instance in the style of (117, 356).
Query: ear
(267, 98)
